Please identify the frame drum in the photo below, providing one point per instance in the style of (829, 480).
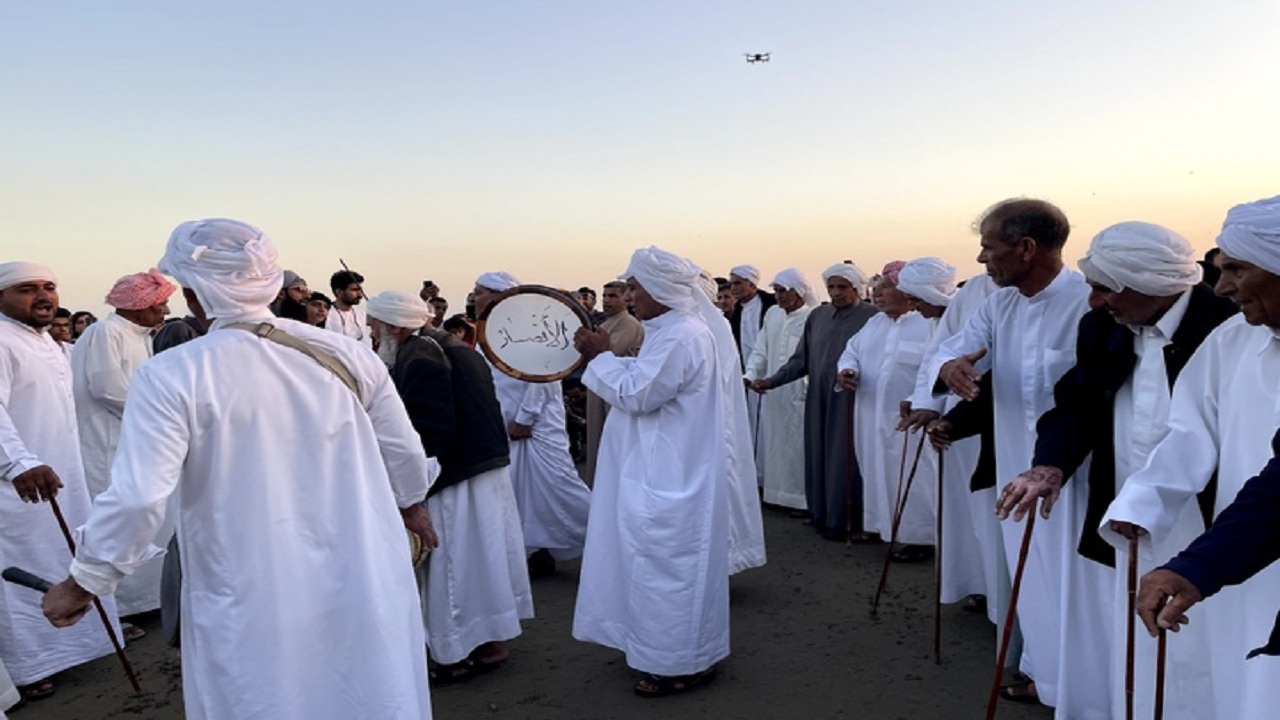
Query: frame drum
(527, 333)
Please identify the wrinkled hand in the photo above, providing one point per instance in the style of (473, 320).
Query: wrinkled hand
(761, 386)
(961, 376)
(591, 341)
(1156, 614)
(519, 431)
(66, 603)
(38, 483)
(848, 379)
(1041, 481)
(1128, 530)
(418, 522)
(917, 420)
(939, 432)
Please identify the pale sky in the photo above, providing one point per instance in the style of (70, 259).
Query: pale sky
(442, 139)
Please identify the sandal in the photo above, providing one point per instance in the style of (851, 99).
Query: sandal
(975, 604)
(656, 686)
(1021, 691)
(438, 674)
(132, 632)
(38, 690)
(912, 553)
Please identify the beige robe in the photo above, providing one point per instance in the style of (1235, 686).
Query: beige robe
(625, 335)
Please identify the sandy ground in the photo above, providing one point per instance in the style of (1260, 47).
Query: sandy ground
(804, 645)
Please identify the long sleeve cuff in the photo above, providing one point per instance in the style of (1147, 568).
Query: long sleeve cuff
(1202, 577)
(98, 578)
(17, 467)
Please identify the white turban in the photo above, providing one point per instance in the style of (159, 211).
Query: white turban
(229, 265)
(1150, 259)
(18, 272)
(497, 281)
(849, 272)
(750, 273)
(929, 279)
(1251, 233)
(794, 280)
(400, 309)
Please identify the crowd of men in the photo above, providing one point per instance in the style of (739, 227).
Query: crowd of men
(1131, 406)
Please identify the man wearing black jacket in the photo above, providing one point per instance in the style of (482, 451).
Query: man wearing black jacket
(475, 586)
(1149, 314)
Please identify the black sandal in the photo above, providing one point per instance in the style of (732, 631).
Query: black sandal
(656, 686)
(1021, 691)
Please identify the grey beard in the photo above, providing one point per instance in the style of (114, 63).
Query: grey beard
(388, 346)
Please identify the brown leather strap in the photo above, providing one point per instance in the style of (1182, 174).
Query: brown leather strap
(267, 331)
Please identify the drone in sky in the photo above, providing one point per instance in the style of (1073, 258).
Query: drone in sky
(757, 57)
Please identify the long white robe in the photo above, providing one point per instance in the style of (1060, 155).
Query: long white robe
(105, 358)
(886, 354)
(1030, 343)
(780, 453)
(298, 596)
(553, 499)
(1224, 412)
(655, 576)
(38, 427)
(971, 562)
(354, 323)
(749, 333)
(477, 582)
(8, 692)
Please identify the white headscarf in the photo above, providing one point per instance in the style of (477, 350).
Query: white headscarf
(929, 279)
(1150, 259)
(750, 273)
(230, 265)
(18, 272)
(1251, 233)
(669, 279)
(497, 281)
(849, 272)
(400, 309)
(794, 280)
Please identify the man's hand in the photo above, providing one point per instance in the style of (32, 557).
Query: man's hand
(1152, 591)
(917, 420)
(960, 375)
(848, 379)
(1040, 481)
(66, 603)
(1128, 530)
(591, 342)
(38, 483)
(939, 432)
(418, 522)
(761, 386)
(519, 431)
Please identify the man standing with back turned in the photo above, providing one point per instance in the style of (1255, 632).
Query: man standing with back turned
(298, 591)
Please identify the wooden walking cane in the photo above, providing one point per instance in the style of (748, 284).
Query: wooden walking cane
(1011, 613)
(1129, 629)
(900, 507)
(97, 603)
(1161, 647)
(848, 484)
(937, 575)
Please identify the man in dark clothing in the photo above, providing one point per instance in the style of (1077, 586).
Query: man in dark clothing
(475, 587)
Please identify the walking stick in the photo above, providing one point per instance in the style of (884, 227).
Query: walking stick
(901, 506)
(937, 575)
(848, 483)
(1161, 647)
(97, 603)
(1010, 614)
(1129, 628)
(755, 442)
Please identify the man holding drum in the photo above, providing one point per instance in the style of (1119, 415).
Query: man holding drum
(655, 575)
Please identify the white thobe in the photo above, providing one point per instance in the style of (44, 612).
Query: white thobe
(9, 695)
(780, 451)
(553, 499)
(886, 355)
(353, 323)
(655, 576)
(477, 582)
(105, 357)
(298, 596)
(749, 331)
(1224, 412)
(38, 427)
(1030, 343)
(969, 548)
